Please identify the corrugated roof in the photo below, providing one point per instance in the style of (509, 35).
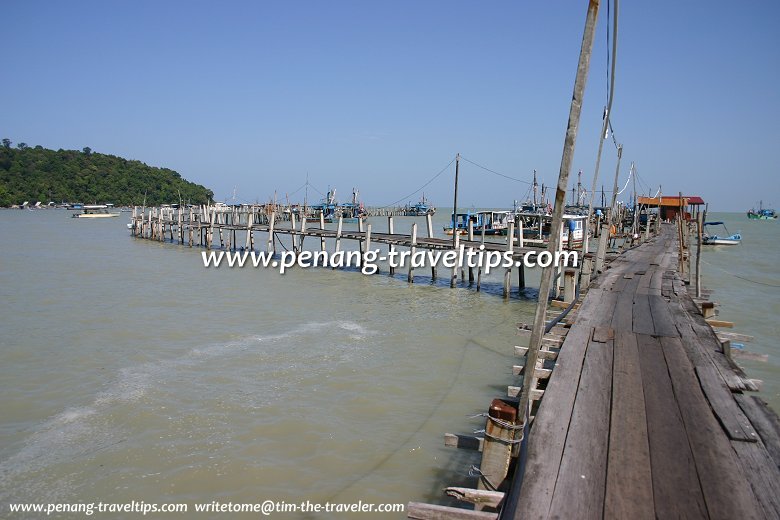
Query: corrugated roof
(671, 201)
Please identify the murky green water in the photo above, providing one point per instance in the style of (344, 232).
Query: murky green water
(745, 280)
(130, 372)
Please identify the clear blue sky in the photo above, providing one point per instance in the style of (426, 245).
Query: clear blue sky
(381, 95)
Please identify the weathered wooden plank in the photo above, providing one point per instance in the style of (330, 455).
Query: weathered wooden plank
(543, 354)
(539, 373)
(731, 417)
(464, 442)
(765, 422)
(623, 316)
(580, 487)
(762, 474)
(703, 348)
(629, 491)
(479, 497)
(421, 511)
(514, 391)
(603, 334)
(642, 317)
(662, 317)
(676, 489)
(720, 323)
(656, 281)
(545, 449)
(733, 336)
(726, 493)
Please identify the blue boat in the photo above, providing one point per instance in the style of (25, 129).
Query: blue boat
(332, 210)
(420, 209)
(762, 213)
(717, 240)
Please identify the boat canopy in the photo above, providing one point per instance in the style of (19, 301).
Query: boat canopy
(713, 223)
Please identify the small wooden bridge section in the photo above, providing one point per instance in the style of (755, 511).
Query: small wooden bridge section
(645, 416)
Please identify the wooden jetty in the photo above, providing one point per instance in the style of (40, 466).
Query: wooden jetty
(639, 412)
(233, 228)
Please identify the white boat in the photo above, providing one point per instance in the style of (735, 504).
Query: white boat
(94, 211)
(717, 240)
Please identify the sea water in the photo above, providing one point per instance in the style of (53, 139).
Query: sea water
(129, 372)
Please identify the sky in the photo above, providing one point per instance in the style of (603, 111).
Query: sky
(254, 97)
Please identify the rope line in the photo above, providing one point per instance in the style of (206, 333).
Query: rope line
(495, 172)
(418, 190)
(741, 277)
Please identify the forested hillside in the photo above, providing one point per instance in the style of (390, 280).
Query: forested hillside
(38, 174)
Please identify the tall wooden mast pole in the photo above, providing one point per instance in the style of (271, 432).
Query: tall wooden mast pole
(560, 199)
(455, 204)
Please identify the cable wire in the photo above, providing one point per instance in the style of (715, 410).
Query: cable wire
(495, 172)
(418, 190)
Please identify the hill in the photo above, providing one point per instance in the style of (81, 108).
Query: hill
(40, 174)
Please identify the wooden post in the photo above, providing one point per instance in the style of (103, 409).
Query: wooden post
(304, 220)
(471, 239)
(412, 249)
(602, 247)
(337, 247)
(322, 226)
(575, 110)
(497, 446)
(220, 217)
(699, 225)
(479, 267)
(391, 247)
(249, 222)
(521, 234)
(456, 245)
(429, 226)
(367, 247)
(360, 240)
(294, 238)
(510, 248)
(569, 276)
(212, 218)
(271, 247)
(521, 244)
(455, 204)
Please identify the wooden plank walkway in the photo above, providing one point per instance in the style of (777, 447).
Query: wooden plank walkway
(644, 416)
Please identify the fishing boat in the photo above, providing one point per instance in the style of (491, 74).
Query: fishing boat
(331, 210)
(762, 213)
(536, 229)
(493, 222)
(420, 209)
(711, 239)
(93, 211)
(459, 223)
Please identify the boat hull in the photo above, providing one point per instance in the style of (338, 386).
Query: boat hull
(96, 215)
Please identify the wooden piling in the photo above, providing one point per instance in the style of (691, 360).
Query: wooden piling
(456, 244)
(429, 226)
(271, 247)
(412, 249)
(391, 247)
(510, 242)
(322, 226)
(471, 239)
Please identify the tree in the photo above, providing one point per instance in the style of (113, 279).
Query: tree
(22, 146)
(87, 150)
(6, 143)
